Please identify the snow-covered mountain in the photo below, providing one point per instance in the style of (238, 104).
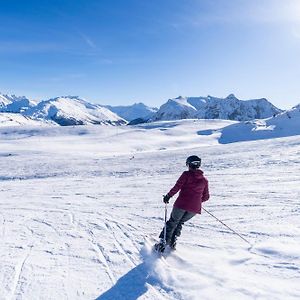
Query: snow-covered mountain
(135, 111)
(14, 104)
(15, 119)
(284, 124)
(71, 110)
(229, 108)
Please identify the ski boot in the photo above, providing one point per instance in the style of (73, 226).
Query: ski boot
(160, 246)
(173, 243)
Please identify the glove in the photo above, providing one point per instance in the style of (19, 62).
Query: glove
(166, 198)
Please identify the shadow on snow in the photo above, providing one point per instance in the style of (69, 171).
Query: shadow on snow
(131, 286)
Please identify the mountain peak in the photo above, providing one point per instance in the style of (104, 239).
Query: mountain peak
(231, 96)
(135, 111)
(66, 97)
(139, 104)
(297, 106)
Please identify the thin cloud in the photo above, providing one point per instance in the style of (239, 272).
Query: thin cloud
(88, 40)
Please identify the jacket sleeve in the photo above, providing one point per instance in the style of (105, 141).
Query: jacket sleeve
(205, 195)
(179, 184)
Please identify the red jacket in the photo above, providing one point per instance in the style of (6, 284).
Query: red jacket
(193, 188)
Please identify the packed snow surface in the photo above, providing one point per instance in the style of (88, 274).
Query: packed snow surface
(82, 206)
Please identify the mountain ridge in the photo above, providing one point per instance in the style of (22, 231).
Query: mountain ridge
(230, 108)
(73, 110)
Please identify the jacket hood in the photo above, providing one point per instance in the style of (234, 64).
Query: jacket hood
(197, 173)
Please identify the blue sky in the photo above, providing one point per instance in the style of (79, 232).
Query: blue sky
(119, 52)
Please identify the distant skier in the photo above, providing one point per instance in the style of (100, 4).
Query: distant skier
(193, 188)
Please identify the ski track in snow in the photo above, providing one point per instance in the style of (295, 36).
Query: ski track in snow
(2, 225)
(18, 281)
(77, 223)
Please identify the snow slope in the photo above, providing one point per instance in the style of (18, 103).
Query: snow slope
(14, 119)
(72, 110)
(284, 124)
(229, 108)
(81, 207)
(4, 101)
(132, 112)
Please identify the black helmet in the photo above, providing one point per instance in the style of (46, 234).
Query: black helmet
(193, 162)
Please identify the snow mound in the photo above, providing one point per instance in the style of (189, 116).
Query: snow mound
(229, 108)
(72, 110)
(281, 125)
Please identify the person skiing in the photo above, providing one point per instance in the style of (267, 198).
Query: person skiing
(193, 188)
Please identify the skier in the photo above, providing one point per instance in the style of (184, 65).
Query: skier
(193, 188)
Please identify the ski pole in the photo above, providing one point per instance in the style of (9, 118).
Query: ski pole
(227, 226)
(165, 228)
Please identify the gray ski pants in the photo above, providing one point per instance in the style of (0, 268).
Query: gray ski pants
(174, 225)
